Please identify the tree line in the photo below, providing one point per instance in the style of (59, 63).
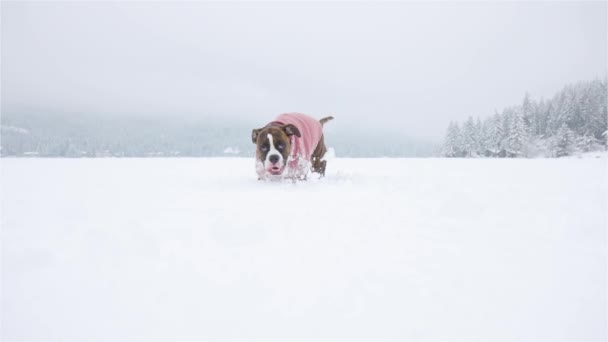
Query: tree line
(573, 121)
(37, 134)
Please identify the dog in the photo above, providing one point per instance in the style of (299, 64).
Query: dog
(289, 146)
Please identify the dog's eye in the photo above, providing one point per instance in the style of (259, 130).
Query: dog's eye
(280, 146)
(264, 148)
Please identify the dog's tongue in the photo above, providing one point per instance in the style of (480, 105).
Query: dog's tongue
(274, 170)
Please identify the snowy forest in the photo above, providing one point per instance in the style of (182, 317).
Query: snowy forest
(573, 121)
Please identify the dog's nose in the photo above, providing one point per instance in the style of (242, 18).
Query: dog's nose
(274, 158)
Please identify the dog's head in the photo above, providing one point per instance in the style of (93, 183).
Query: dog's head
(273, 146)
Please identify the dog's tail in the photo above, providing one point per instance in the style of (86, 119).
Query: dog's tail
(324, 120)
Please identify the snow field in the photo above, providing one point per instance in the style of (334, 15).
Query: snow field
(381, 248)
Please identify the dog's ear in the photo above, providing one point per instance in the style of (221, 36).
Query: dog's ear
(291, 130)
(254, 135)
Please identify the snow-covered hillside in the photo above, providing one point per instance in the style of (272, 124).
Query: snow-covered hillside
(125, 249)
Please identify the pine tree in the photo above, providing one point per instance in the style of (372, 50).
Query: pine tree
(487, 130)
(563, 141)
(478, 137)
(496, 136)
(528, 113)
(556, 114)
(468, 138)
(542, 114)
(518, 136)
(507, 123)
(451, 144)
(594, 110)
(565, 108)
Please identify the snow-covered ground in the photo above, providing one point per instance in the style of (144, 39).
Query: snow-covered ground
(126, 249)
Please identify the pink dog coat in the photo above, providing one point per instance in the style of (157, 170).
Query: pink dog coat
(311, 131)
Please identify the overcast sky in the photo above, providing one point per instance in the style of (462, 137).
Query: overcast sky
(411, 67)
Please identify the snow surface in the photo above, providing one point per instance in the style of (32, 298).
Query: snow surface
(126, 249)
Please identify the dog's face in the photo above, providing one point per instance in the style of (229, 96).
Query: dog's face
(273, 146)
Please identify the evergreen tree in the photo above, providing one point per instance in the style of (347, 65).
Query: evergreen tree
(528, 112)
(451, 144)
(478, 137)
(468, 138)
(556, 114)
(587, 143)
(594, 110)
(487, 132)
(497, 135)
(518, 136)
(507, 123)
(563, 141)
(542, 114)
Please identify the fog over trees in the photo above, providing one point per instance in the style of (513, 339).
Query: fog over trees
(37, 134)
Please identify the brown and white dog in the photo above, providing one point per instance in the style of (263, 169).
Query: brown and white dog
(289, 145)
